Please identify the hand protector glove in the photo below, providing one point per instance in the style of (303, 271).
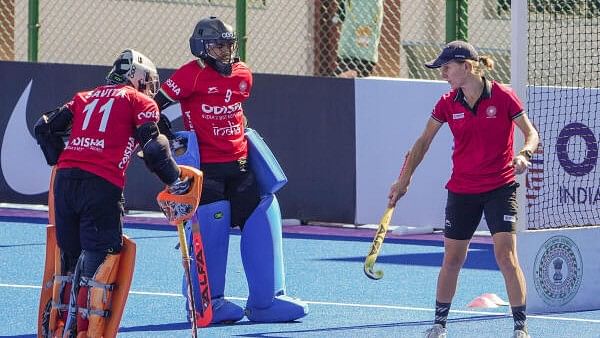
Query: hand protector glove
(180, 186)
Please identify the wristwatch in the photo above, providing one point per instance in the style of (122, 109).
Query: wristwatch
(527, 153)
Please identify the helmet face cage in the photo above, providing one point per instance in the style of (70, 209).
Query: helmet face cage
(135, 69)
(222, 50)
(151, 84)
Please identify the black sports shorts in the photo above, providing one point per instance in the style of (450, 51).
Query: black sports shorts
(88, 212)
(232, 181)
(464, 211)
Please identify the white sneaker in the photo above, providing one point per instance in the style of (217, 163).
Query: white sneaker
(436, 331)
(520, 334)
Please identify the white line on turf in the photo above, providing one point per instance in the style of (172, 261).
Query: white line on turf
(392, 307)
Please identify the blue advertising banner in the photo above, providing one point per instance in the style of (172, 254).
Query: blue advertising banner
(308, 123)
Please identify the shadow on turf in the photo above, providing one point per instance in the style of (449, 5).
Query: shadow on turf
(481, 259)
(424, 323)
(281, 334)
(179, 326)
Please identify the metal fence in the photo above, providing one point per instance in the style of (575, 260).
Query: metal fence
(389, 38)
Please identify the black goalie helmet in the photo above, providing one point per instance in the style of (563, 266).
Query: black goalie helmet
(215, 42)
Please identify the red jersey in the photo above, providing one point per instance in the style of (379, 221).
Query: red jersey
(211, 105)
(483, 137)
(103, 128)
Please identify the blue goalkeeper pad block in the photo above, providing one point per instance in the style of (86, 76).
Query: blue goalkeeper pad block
(191, 156)
(264, 165)
(262, 256)
(262, 253)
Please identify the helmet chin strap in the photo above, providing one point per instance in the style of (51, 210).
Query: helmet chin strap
(221, 67)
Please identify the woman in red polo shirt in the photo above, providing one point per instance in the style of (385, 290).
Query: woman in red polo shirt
(481, 114)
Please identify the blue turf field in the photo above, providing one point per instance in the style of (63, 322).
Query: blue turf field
(324, 270)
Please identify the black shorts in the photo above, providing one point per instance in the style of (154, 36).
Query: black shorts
(464, 211)
(232, 181)
(88, 212)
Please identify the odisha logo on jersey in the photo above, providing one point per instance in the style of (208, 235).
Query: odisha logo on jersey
(147, 115)
(558, 270)
(218, 110)
(127, 154)
(87, 142)
(174, 87)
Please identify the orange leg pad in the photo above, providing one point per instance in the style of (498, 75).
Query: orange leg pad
(52, 252)
(118, 270)
(52, 262)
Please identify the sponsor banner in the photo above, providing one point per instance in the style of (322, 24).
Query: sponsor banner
(28, 90)
(308, 123)
(561, 269)
(563, 183)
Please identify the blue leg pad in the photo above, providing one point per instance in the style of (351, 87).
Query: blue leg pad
(225, 311)
(215, 220)
(262, 257)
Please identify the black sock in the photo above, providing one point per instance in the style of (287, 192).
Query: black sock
(441, 313)
(520, 317)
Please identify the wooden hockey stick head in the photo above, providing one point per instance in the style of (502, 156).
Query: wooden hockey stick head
(179, 208)
(376, 246)
(380, 235)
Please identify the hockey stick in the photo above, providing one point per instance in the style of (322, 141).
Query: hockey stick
(178, 209)
(188, 275)
(376, 246)
(380, 236)
(201, 270)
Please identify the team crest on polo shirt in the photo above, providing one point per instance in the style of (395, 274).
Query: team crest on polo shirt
(490, 112)
(243, 86)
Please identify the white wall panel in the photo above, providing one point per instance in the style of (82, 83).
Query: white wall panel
(390, 115)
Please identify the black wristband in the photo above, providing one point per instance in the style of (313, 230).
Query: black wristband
(527, 153)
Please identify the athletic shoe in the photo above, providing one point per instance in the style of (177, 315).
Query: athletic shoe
(436, 331)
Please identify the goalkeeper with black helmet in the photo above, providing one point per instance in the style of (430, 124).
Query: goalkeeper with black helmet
(211, 90)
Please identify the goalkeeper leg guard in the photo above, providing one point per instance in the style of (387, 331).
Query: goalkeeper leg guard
(262, 258)
(54, 286)
(215, 221)
(104, 287)
(56, 291)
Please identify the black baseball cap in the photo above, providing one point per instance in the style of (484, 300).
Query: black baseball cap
(455, 50)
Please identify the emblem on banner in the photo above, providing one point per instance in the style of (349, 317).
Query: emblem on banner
(558, 270)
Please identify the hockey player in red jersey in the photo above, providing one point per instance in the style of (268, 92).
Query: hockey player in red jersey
(104, 126)
(211, 91)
